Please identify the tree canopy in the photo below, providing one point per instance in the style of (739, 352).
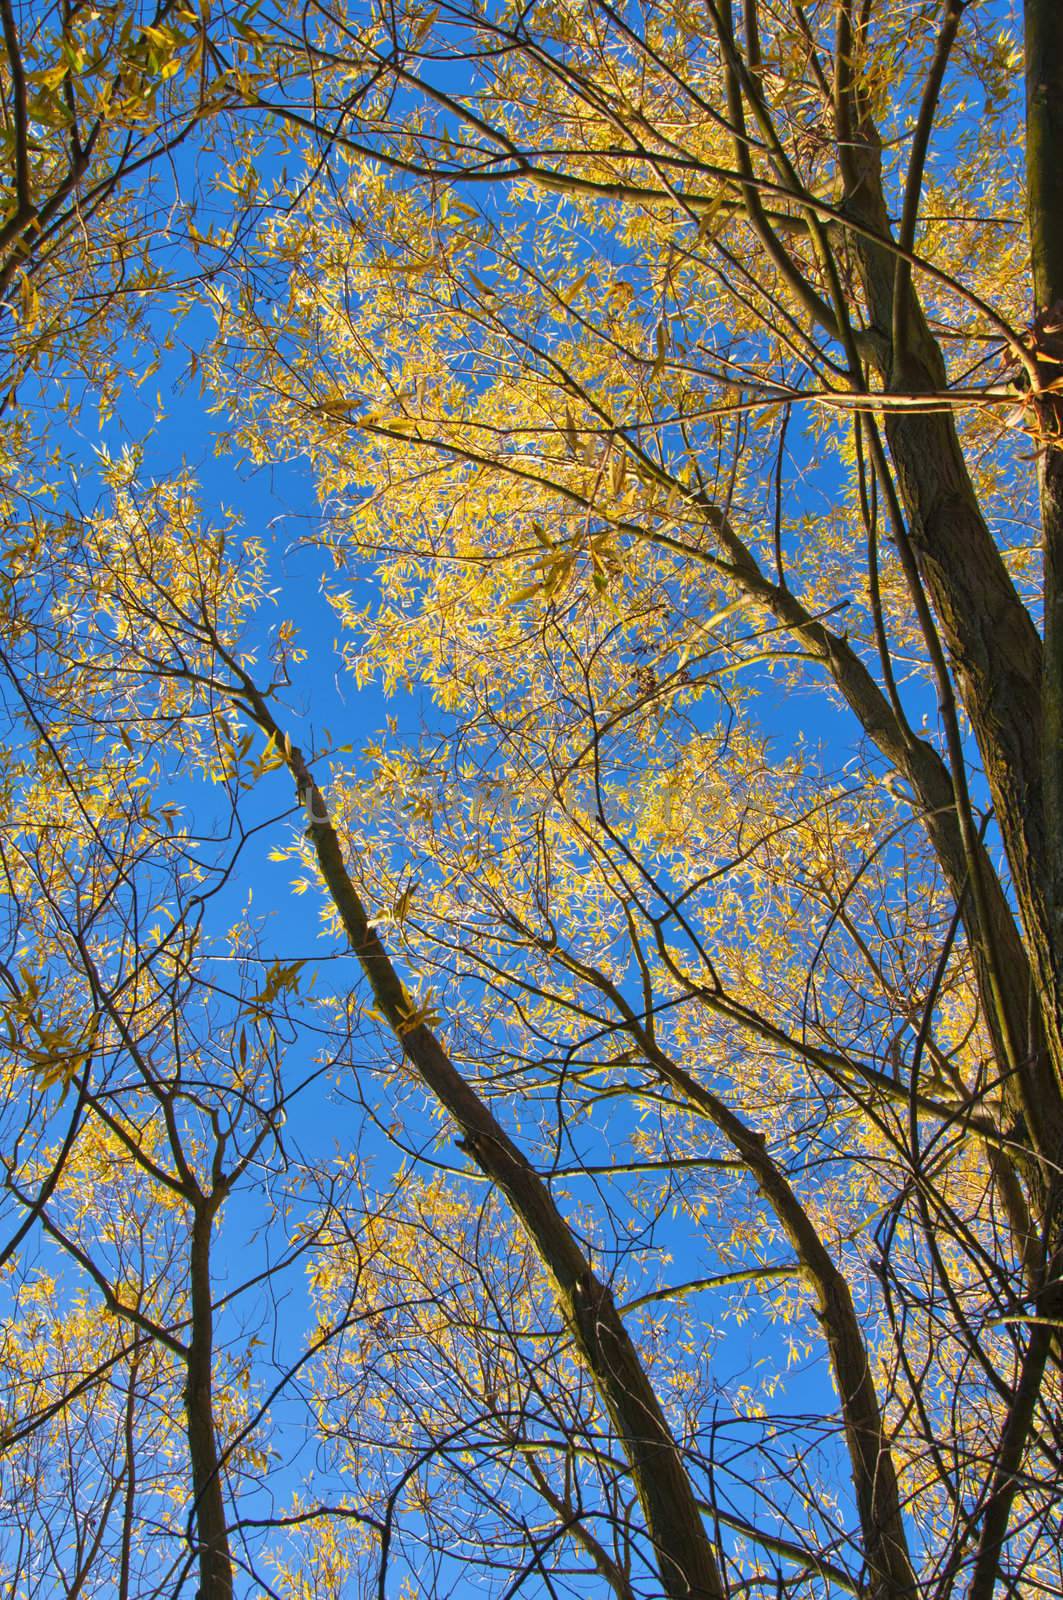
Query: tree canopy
(531, 987)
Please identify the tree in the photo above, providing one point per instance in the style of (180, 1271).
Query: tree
(143, 1103)
(669, 374)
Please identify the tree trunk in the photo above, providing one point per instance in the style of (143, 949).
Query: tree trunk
(1044, 189)
(212, 1537)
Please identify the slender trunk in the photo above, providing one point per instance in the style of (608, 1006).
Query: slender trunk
(212, 1537)
(1002, 969)
(125, 1560)
(885, 1544)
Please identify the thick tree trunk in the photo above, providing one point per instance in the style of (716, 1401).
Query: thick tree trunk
(1044, 141)
(993, 646)
(1044, 190)
(996, 654)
